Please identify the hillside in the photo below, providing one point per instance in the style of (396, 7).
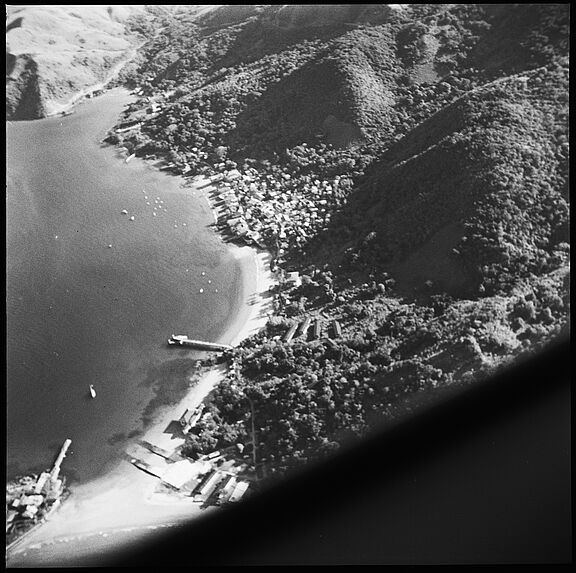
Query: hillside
(55, 52)
(409, 161)
(488, 172)
(347, 81)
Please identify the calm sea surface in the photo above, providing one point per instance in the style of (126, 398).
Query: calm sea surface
(80, 312)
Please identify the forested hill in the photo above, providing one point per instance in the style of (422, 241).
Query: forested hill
(409, 160)
(482, 183)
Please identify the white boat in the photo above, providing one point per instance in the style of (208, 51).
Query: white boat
(92, 391)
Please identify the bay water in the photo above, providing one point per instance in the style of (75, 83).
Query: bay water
(92, 296)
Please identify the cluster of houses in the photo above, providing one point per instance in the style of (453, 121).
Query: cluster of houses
(95, 93)
(273, 210)
(212, 479)
(220, 487)
(301, 329)
(29, 498)
(148, 108)
(32, 498)
(134, 120)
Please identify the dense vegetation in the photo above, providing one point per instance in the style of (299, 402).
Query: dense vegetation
(23, 100)
(436, 137)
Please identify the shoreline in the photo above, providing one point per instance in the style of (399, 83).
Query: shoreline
(124, 499)
(54, 108)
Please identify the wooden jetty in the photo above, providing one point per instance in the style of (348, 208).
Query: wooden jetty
(56, 468)
(181, 340)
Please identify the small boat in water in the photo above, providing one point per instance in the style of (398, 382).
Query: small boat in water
(92, 391)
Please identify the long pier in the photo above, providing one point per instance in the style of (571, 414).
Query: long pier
(56, 468)
(181, 340)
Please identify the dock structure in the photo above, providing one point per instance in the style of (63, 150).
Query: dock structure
(183, 419)
(56, 468)
(156, 449)
(38, 488)
(189, 419)
(182, 340)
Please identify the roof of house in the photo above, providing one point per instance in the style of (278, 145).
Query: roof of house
(239, 490)
(178, 473)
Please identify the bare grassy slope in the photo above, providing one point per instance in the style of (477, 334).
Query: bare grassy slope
(54, 52)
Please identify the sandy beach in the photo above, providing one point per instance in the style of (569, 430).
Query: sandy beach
(124, 506)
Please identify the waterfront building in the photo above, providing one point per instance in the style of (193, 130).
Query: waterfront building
(318, 329)
(227, 489)
(239, 491)
(291, 332)
(337, 329)
(293, 278)
(208, 487)
(304, 327)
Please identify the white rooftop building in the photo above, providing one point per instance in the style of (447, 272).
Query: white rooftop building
(178, 473)
(239, 491)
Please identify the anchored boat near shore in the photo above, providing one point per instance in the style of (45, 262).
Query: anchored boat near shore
(183, 340)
